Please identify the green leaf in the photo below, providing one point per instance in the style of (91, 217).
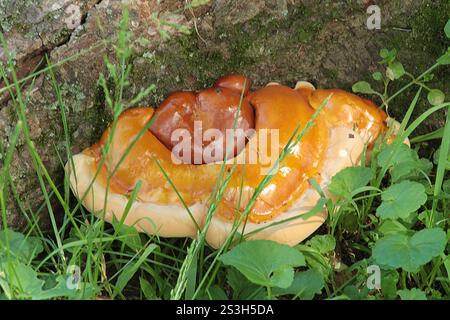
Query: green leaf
(315, 260)
(305, 286)
(426, 215)
(395, 71)
(428, 77)
(392, 155)
(362, 87)
(355, 293)
(24, 282)
(436, 97)
(413, 294)
(436, 157)
(131, 268)
(402, 160)
(346, 181)
(21, 279)
(400, 199)
(446, 186)
(447, 28)
(322, 243)
(444, 59)
(242, 288)
(265, 262)
(20, 247)
(389, 281)
(384, 53)
(61, 290)
(377, 76)
(391, 227)
(447, 265)
(409, 253)
(388, 55)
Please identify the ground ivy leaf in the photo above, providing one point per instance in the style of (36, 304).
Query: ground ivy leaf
(402, 251)
(362, 87)
(323, 243)
(400, 199)
(377, 76)
(401, 159)
(306, 284)
(436, 156)
(413, 294)
(384, 53)
(282, 277)
(349, 179)
(391, 227)
(265, 262)
(395, 71)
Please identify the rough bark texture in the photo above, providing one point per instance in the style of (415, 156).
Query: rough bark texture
(325, 42)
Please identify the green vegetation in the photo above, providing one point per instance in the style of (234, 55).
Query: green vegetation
(392, 214)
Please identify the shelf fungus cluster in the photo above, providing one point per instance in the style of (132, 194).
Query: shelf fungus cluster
(177, 152)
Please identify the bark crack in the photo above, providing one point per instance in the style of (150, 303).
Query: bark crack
(35, 60)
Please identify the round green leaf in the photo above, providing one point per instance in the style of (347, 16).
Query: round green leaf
(323, 243)
(436, 97)
(395, 71)
(346, 181)
(402, 160)
(413, 294)
(389, 281)
(265, 262)
(400, 199)
(362, 87)
(436, 156)
(377, 76)
(428, 77)
(388, 55)
(401, 251)
(391, 227)
(384, 53)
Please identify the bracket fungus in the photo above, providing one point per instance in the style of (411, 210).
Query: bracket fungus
(268, 120)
